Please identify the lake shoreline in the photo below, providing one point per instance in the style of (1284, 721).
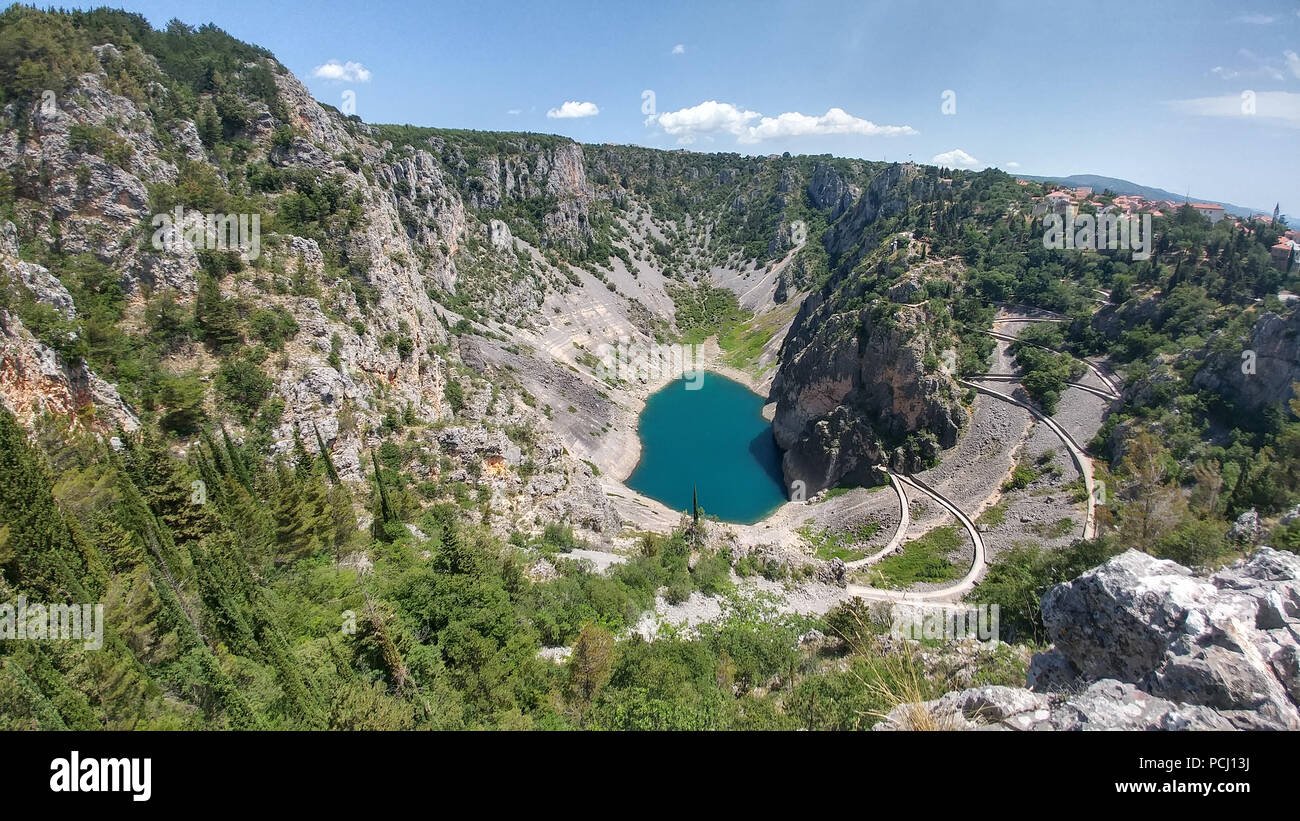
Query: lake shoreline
(709, 436)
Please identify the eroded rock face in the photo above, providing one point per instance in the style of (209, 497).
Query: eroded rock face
(1264, 377)
(413, 234)
(1106, 705)
(1142, 643)
(849, 382)
(34, 379)
(830, 192)
(1224, 642)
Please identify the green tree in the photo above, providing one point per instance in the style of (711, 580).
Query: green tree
(590, 667)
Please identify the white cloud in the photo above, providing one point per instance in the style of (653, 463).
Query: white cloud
(1012, 164)
(1272, 106)
(572, 109)
(1292, 62)
(349, 72)
(1269, 68)
(1255, 19)
(955, 158)
(679, 49)
(712, 117)
(708, 117)
(513, 111)
(834, 121)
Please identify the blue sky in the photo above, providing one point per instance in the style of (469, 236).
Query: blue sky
(1150, 92)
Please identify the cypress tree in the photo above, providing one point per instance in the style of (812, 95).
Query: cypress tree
(383, 512)
(303, 463)
(237, 464)
(40, 552)
(325, 456)
(293, 531)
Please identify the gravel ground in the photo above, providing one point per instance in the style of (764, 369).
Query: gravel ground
(970, 474)
(811, 598)
(1032, 511)
(603, 561)
(1081, 413)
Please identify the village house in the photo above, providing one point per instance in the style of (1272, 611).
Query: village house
(1214, 212)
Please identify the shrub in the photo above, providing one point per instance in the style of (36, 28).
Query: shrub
(455, 395)
(241, 384)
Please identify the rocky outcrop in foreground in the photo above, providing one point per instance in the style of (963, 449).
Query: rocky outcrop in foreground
(1143, 644)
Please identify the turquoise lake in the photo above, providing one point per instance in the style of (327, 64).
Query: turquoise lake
(713, 439)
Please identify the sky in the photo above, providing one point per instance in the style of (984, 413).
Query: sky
(1194, 97)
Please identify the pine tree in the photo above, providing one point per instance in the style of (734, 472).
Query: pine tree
(173, 496)
(121, 547)
(215, 316)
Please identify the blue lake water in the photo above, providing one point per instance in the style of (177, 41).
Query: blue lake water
(713, 439)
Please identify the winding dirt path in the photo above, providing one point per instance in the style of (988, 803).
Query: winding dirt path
(956, 591)
(900, 533)
(1012, 377)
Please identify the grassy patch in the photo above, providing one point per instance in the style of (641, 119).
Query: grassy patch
(836, 492)
(994, 516)
(1054, 530)
(1077, 489)
(922, 560)
(743, 343)
(1022, 476)
(705, 310)
(840, 544)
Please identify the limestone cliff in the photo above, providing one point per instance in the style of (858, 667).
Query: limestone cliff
(1259, 371)
(860, 373)
(1144, 644)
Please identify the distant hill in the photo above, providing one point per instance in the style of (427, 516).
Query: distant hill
(1099, 184)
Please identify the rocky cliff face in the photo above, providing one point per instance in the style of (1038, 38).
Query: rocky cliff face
(89, 167)
(830, 192)
(849, 384)
(855, 382)
(859, 374)
(1143, 644)
(888, 194)
(1261, 371)
(34, 379)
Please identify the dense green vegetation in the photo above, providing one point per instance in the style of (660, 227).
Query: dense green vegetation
(1044, 373)
(705, 310)
(244, 607)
